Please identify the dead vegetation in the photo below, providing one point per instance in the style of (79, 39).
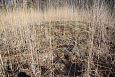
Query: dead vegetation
(61, 42)
(59, 48)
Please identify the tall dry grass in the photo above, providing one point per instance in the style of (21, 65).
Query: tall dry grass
(29, 36)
